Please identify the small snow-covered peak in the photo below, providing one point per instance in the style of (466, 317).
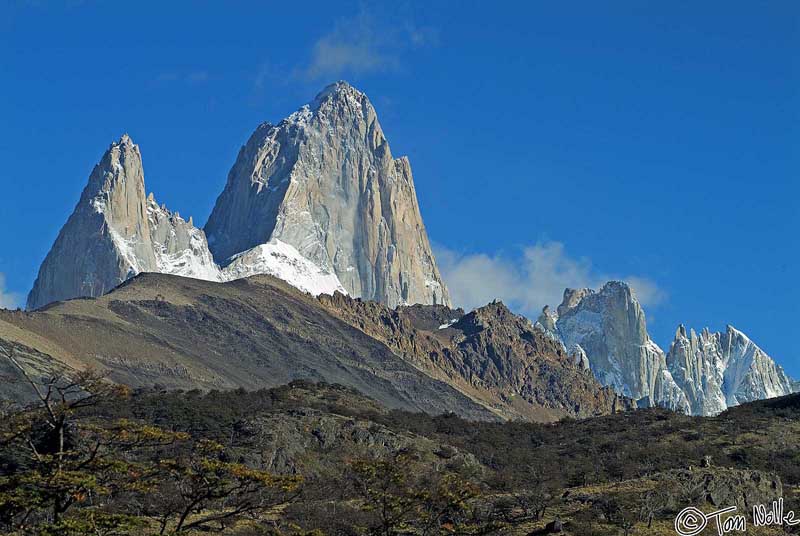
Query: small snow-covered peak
(609, 325)
(341, 96)
(719, 370)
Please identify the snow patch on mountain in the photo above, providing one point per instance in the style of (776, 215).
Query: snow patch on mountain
(283, 261)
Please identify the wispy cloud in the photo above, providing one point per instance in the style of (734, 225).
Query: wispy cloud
(529, 281)
(8, 300)
(364, 44)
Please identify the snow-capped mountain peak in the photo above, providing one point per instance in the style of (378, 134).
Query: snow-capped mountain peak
(719, 370)
(318, 199)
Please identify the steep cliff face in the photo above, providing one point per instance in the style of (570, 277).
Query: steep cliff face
(720, 370)
(609, 328)
(116, 232)
(324, 181)
(104, 240)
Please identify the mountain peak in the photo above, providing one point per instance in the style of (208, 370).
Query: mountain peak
(339, 89)
(619, 288)
(610, 328)
(125, 139)
(119, 232)
(324, 181)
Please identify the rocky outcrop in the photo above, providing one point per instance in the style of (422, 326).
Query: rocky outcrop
(180, 248)
(608, 327)
(490, 354)
(300, 441)
(324, 181)
(116, 232)
(720, 370)
(720, 487)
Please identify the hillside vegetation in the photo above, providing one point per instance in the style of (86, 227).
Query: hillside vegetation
(92, 458)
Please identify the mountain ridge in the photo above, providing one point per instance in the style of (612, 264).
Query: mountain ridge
(319, 201)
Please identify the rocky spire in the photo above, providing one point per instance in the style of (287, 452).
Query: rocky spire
(324, 182)
(116, 232)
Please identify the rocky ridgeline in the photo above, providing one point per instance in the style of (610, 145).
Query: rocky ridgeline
(490, 354)
(719, 370)
(319, 201)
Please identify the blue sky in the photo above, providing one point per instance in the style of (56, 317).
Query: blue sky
(552, 143)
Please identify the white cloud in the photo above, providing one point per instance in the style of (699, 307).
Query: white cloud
(529, 281)
(8, 300)
(363, 44)
(646, 290)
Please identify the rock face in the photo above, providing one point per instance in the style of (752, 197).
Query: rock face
(116, 232)
(324, 181)
(608, 327)
(490, 354)
(180, 247)
(720, 370)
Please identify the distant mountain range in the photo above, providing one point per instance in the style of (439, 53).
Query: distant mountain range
(319, 201)
(698, 375)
